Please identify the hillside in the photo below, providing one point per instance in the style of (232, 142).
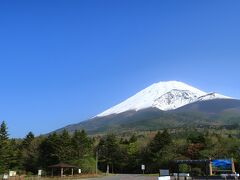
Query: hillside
(205, 113)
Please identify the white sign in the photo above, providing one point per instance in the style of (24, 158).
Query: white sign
(79, 171)
(5, 176)
(12, 173)
(143, 167)
(164, 178)
(39, 172)
(164, 172)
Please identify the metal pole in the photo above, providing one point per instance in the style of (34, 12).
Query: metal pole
(206, 169)
(178, 171)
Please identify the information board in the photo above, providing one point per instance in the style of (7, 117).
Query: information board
(221, 164)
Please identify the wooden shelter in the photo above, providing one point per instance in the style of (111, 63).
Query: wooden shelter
(62, 167)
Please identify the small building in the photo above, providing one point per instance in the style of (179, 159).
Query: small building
(62, 167)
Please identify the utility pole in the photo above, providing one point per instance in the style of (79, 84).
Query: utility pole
(96, 161)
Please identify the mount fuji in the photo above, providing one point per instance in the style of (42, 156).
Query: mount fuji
(164, 96)
(169, 104)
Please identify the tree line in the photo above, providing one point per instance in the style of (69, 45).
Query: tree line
(120, 154)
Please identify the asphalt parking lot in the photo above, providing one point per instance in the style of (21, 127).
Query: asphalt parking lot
(126, 177)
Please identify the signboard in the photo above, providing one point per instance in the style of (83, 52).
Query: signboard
(164, 172)
(221, 164)
(143, 167)
(12, 173)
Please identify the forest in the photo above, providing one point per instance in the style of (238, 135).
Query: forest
(123, 153)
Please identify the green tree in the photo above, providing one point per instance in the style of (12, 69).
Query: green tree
(64, 149)
(196, 144)
(48, 150)
(109, 153)
(82, 144)
(27, 140)
(160, 141)
(183, 168)
(196, 137)
(159, 152)
(82, 152)
(30, 153)
(14, 152)
(4, 148)
(132, 155)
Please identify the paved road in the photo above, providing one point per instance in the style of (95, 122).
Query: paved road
(125, 177)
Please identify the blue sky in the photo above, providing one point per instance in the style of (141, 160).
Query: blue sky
(64, 61)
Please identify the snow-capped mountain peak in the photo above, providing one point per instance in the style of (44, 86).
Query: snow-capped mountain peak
(165, 96)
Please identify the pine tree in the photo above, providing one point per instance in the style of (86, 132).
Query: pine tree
(14, 152)
(109, 151)
(64, 147)
(27, 140)
(156, 152)
(30, 153)
(48, 150)
(82, 152)
(159, 141)
(4, 148)
(82, 144)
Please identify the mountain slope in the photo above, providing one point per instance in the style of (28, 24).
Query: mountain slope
(202, 113)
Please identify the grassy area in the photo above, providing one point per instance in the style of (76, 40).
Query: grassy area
(76, 177)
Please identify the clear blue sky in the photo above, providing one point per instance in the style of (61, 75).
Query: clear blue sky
(64, 61)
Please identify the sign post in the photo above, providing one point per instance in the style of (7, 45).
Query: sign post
(107, 170)
(143, 168)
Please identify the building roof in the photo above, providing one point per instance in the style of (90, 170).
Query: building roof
(62, 165)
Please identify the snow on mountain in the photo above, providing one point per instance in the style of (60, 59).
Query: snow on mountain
(165, 96)
(213, 95)
(174, 99)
